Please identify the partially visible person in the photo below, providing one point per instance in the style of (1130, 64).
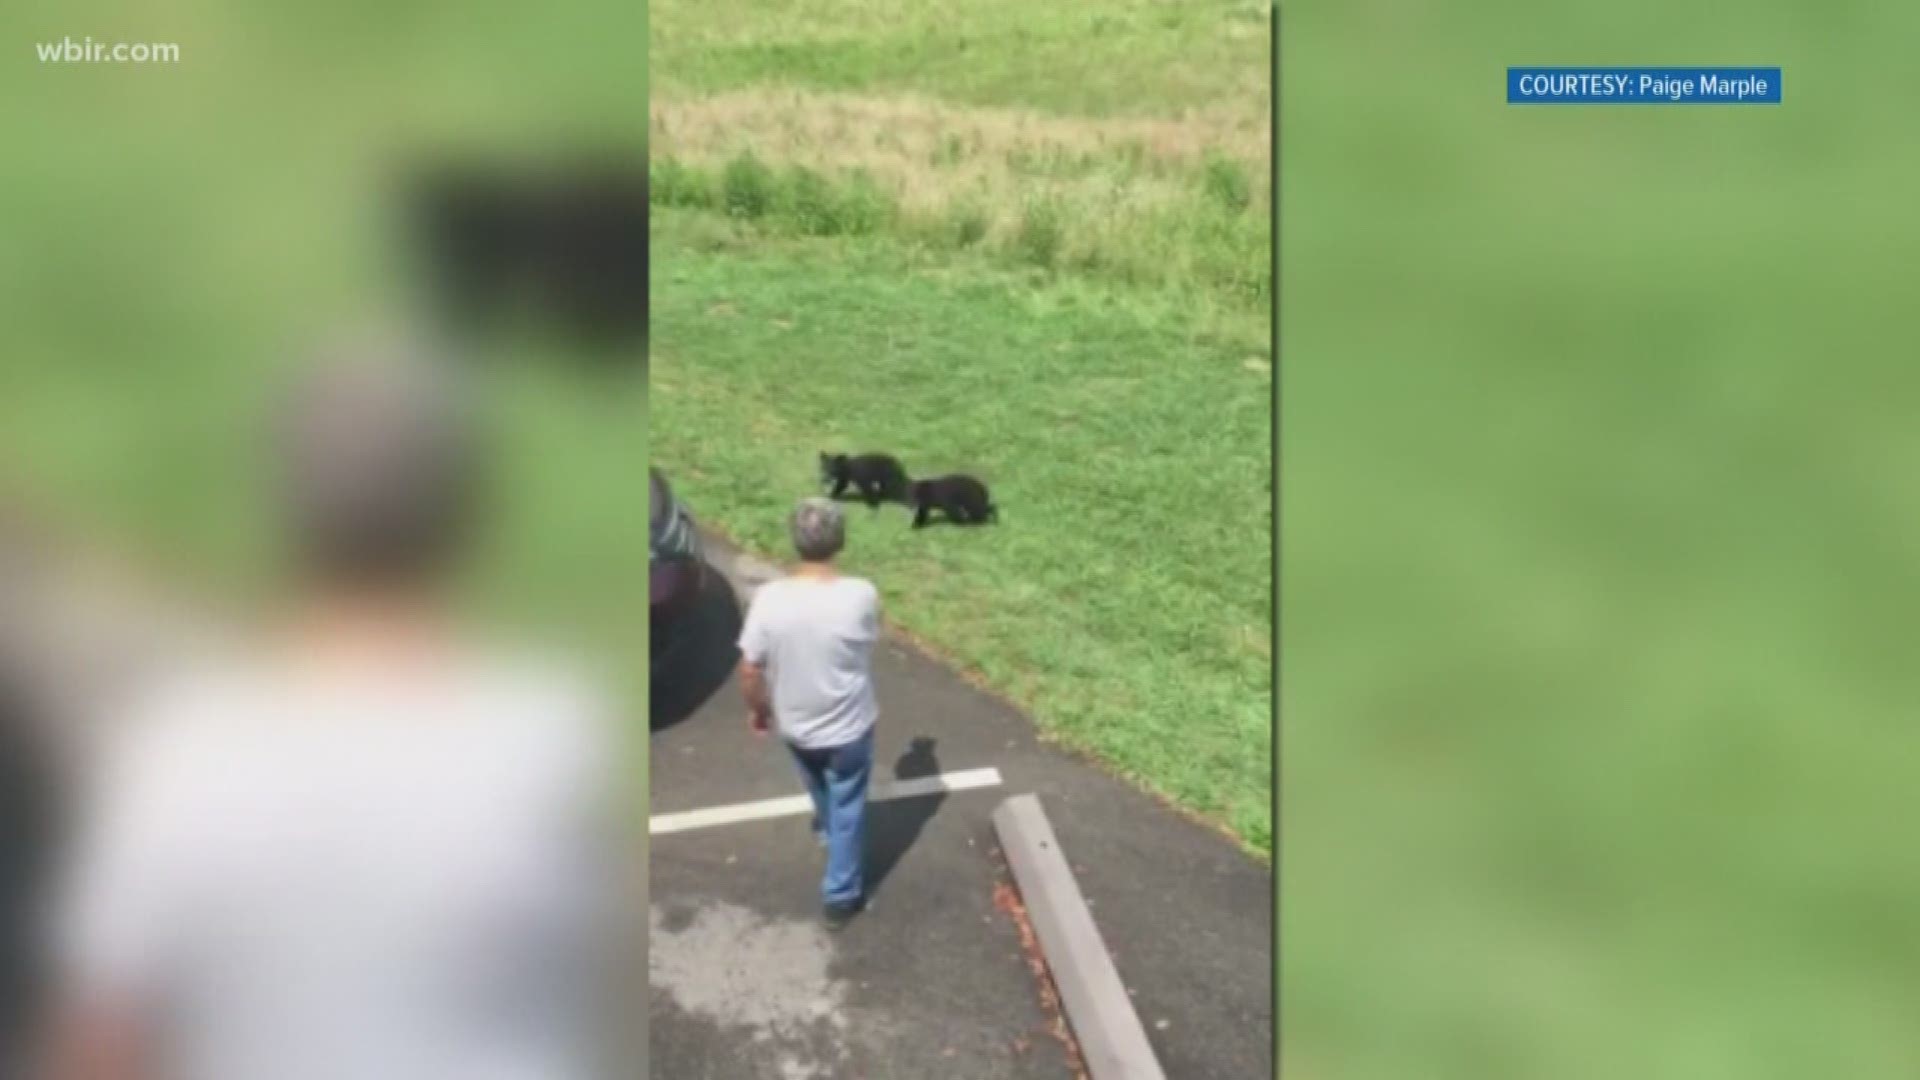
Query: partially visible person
(375, 851)
(806, 650)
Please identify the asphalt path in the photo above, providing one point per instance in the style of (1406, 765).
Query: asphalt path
(938, 978)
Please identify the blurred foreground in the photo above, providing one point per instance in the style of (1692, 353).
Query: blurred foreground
(178, 234)
(352, 834)
(1599, 551)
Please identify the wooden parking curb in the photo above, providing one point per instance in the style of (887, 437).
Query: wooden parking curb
(1111, 1038)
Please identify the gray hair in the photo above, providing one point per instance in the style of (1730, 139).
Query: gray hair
(379, 460)
(819, 529)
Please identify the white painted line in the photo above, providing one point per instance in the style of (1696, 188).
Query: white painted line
(787, 806)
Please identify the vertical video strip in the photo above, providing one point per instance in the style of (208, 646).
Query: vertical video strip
(961, 407)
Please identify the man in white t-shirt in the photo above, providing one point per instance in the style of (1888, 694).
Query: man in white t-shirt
(806, 652)
(375, 852)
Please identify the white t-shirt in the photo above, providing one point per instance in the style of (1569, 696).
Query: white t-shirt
(376, 878)
(815, 640)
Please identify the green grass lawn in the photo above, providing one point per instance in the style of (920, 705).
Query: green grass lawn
(1101, 59)
(1029, 243)
(1124, 597)
(1598, 551)
(175, 234)
(1124, 139)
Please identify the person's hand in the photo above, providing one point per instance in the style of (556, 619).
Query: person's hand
(757, 721)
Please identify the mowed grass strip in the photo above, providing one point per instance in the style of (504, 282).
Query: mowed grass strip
(1125, 598)
(1102, 58)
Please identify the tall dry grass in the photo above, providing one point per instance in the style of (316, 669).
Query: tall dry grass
(1157, 201)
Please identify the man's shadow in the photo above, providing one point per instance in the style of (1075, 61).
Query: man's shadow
(893, 826)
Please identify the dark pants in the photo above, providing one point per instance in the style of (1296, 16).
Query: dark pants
(836, 778)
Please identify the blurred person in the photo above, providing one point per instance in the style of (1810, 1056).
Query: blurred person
(806, 661)
(374, 850)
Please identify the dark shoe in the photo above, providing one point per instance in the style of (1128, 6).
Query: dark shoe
(836, 916)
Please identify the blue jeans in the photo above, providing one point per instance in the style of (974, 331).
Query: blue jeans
(836, 778)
